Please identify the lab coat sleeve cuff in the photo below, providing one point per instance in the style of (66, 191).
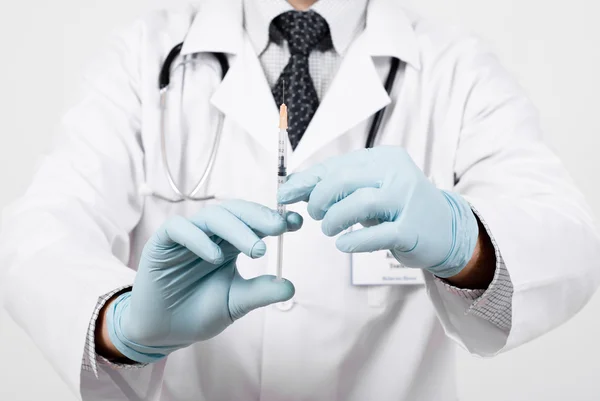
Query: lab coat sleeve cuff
(90, 357)
(493, 304)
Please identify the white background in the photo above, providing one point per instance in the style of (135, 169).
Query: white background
(552, 46)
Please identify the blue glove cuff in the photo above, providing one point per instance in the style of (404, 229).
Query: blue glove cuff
(465, 232)
(135, 352)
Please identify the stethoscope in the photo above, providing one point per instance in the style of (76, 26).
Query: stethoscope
(164, 82)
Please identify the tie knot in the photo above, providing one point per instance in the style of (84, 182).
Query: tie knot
(304, 31)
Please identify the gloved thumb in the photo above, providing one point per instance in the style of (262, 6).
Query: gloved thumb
(247, 295)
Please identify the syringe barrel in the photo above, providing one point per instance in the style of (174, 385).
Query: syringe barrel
(282, 147)
(282, 165)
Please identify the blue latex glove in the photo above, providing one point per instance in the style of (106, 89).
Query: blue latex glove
(402, 210)
(187, 288)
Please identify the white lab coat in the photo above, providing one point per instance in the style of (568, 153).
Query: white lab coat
(457, 112)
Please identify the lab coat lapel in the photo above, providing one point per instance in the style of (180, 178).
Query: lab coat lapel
(355, 94)
(244, 96)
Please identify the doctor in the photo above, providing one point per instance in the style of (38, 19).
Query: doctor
(459, 226)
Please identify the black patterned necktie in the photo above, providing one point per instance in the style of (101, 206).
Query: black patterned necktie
(304, 31)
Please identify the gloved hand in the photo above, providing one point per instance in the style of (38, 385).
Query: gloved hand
(402, 210)
(187, 288)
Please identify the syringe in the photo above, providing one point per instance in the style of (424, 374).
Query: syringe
(281, 178)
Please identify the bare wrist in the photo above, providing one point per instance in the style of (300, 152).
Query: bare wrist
(104, 346)
(479, 272)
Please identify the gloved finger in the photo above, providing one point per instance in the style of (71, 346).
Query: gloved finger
(298, 186)
(382, 236)
(179, 230)
(294, 221)
(247, 295)
(230, 227)
(370, 222)
(338, 186)
(258, 217)
(363, 205)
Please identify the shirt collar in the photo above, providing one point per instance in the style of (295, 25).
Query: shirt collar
(346, 19)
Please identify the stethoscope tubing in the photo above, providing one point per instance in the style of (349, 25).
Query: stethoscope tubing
(164, 82)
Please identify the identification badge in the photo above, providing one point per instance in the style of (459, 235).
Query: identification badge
(381, 268)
